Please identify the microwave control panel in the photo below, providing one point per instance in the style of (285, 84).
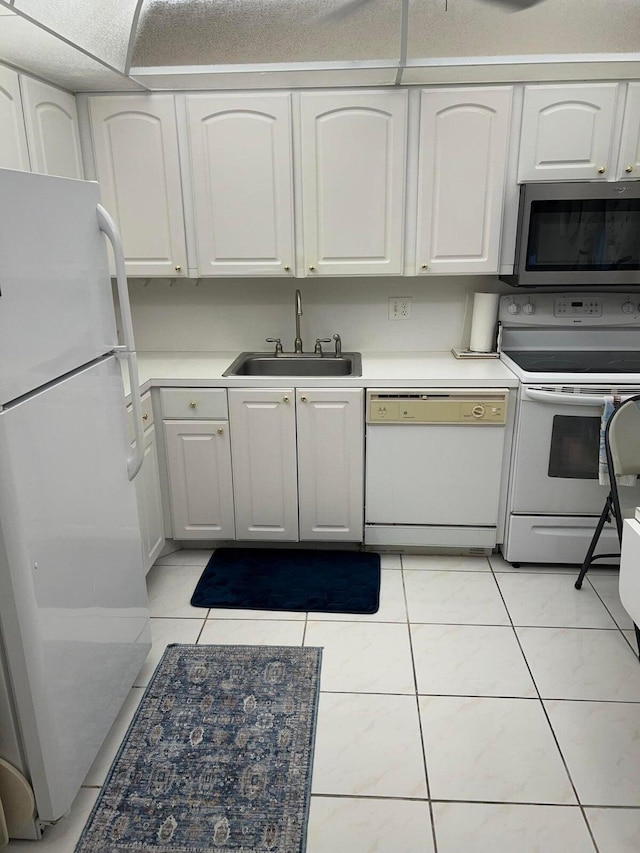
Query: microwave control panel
(429, 407)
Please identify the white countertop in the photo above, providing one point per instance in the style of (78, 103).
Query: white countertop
(379, 370)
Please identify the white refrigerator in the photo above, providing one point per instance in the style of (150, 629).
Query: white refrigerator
(74, 622)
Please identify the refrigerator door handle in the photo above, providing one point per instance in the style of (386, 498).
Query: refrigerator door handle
(134, 461)
(109, 227)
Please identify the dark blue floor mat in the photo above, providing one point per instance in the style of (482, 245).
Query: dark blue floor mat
(278, 579)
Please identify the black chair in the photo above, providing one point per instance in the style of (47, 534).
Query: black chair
(622, 449)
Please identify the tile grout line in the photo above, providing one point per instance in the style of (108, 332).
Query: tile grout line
(417, 697)
(619, 627)
(548, 719)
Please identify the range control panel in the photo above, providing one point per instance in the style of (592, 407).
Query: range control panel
(570, 309)
(437, 407)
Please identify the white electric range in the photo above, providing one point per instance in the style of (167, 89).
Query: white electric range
(569, 351)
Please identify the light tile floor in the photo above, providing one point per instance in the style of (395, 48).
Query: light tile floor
(481, 710)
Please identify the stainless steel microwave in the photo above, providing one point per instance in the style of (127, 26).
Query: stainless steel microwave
(578, 234)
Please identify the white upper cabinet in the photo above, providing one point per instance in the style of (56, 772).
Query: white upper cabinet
(353, 154)
(464, 138)
(241, 161)
(13, 139)
(52, 129)
(137, 164)
(629, 161)
(567, 132)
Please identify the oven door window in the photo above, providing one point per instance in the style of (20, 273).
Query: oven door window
(592, 235)
(574, 447)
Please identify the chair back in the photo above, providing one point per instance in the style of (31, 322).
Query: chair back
(623, 436)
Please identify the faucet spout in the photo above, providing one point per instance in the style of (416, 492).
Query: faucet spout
(297, 344)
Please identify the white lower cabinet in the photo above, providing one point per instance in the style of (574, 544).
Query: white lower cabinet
(263, 444)
(196, 434)
(297, 463)
(148, 491)
(330, 464)
(199, 465)
(149, 499)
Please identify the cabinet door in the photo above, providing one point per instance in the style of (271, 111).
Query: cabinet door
(353, 176)
(200, 485)
(629, 162)
(263, 443)
(136, 152)
(463, 159)
(149, 498)
(566, 132)
(242, 183)
(13, 138)
(330, 464)
(52, 129)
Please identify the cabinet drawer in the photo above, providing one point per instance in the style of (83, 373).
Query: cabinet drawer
(147, 416)
(194, 403)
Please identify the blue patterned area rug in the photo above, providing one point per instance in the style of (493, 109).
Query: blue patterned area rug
(218, 756)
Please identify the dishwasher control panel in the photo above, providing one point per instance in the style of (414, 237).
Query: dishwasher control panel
(441, 406)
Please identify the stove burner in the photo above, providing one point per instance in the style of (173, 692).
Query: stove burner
(625, 364)
(556, 364)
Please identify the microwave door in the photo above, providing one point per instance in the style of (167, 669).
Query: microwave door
(577, 235)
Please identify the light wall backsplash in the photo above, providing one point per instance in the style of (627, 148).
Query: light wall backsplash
(238, 314)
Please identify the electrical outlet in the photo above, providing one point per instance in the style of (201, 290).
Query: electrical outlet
(399, 307)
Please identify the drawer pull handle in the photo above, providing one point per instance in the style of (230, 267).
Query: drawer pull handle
(304, 399)
(192, 405)
(145, 417)
(285, 399)
(220, 430)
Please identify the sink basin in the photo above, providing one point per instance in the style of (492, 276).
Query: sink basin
(295, 364)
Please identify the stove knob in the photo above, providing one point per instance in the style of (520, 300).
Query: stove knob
(628, 307)
(513, 308)
(528, 308)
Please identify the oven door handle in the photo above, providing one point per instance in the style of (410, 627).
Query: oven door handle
(539, 396)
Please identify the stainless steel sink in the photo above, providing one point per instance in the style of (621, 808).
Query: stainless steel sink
(295, 364)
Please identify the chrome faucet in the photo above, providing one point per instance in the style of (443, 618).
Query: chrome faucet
(297, 344)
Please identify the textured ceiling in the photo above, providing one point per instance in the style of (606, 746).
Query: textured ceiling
(100, 27)
(90, 45)
(483, 28)
(238, 32)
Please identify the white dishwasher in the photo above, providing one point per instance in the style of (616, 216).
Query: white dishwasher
(434, 466)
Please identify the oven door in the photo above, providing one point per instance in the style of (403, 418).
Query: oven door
(556, 454)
